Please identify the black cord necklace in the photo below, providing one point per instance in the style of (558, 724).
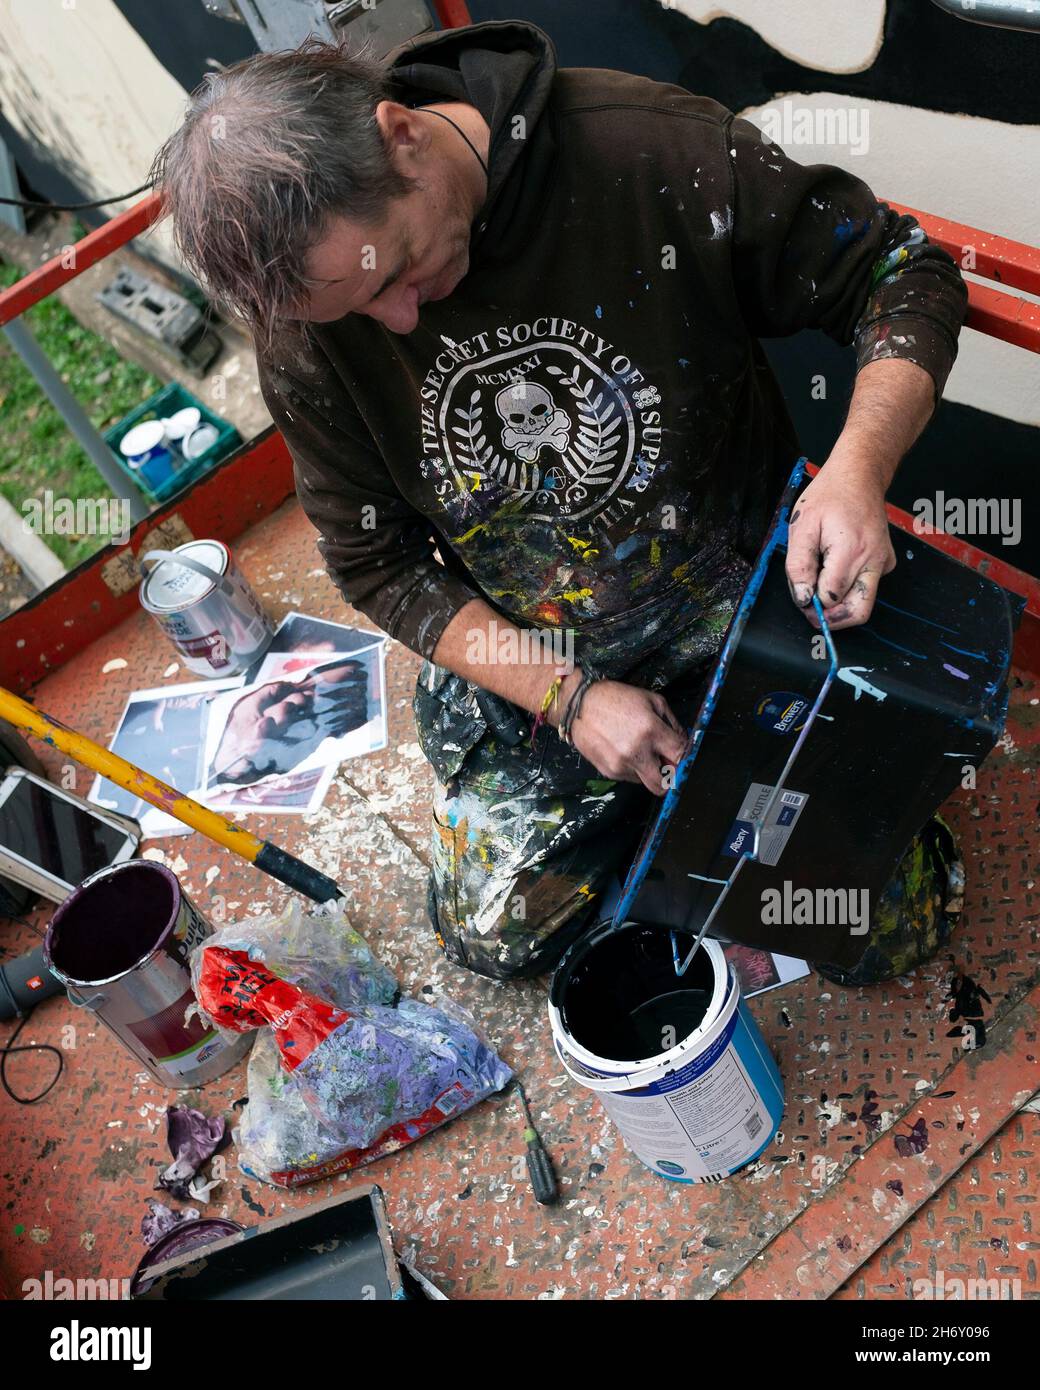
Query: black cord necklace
(430, 112)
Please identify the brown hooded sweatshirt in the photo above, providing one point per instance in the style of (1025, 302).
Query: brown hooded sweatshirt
(589, 419)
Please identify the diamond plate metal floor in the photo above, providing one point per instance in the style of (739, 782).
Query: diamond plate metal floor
(817, 1216)
(982, 1226)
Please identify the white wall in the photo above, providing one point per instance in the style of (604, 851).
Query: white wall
(833, 35)
(76, 78)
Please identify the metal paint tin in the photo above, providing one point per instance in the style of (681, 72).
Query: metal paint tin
(120, 944)
(201, 601)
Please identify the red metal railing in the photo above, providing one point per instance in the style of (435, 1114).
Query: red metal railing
(992, 257)
(453, 14)
(74, 260)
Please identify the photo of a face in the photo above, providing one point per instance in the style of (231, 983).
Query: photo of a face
(270, 741)
(275, 726)
(275, 742)
(759, 970)
(164, 731)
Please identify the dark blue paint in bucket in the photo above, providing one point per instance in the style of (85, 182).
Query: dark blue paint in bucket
(680, 1066)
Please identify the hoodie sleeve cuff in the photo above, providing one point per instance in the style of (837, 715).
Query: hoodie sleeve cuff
(914, 339)
(425, 611)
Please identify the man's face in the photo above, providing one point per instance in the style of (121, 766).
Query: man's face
(418, 253)
(256, 740)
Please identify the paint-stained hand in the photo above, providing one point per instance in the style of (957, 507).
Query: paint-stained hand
(629, 734)
(839, 546)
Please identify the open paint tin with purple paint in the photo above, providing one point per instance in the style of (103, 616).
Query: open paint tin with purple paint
(120, 944)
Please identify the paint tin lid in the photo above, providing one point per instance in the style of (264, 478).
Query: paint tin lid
(182, 422)
(198, 440)
(189, 1235)
(170, 586)
(142, 439)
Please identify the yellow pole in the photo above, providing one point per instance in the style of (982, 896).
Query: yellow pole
(135, 780)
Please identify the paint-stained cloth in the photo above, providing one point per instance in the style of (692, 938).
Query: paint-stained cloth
(526, 832)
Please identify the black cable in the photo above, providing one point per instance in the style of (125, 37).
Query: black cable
(8, 1050)
(480, 160)
(73, 207)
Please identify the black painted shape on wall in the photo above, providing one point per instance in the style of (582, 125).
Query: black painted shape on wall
(964, 452)
(185, 43)
(928, 58)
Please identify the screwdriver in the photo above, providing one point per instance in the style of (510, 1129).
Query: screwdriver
(539, 1164)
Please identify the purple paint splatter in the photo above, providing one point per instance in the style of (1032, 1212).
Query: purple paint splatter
(915, 1142)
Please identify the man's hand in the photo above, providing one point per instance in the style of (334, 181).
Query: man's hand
(839, 545)
(627, 734)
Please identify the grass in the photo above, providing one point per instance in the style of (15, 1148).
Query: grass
(37, 452)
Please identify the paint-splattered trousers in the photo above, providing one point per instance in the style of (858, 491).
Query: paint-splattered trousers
(527, 838)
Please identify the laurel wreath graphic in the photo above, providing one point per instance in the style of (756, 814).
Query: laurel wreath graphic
(588, 460)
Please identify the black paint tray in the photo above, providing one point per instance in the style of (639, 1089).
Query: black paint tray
(336, 1250)
(886, 725)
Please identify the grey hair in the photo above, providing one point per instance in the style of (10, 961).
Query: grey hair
(268, 151)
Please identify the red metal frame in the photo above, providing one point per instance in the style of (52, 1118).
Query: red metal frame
(453, 14)
(993, 257)
(65, 618)
(74, 260)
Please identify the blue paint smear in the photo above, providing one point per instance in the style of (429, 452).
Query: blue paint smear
(889, 643)
(963, 651)
(883, 603)
(851, 229)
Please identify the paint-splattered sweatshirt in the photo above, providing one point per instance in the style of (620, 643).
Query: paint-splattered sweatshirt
(588, 421)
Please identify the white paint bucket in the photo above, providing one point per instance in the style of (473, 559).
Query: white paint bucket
(678, 1062)
(201, 601)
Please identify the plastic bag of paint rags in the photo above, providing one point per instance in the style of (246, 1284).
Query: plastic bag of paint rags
(335, 1082)
(317, 949)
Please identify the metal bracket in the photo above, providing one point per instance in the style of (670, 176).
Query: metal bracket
(165, 315)
(1002, 14)
(277, 24)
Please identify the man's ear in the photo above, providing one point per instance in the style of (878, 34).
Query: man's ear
(406, 136)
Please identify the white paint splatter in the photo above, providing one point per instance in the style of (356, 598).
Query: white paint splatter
(721, 223)
(851, 675)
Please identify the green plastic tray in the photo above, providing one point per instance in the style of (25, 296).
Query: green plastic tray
(164, 403)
